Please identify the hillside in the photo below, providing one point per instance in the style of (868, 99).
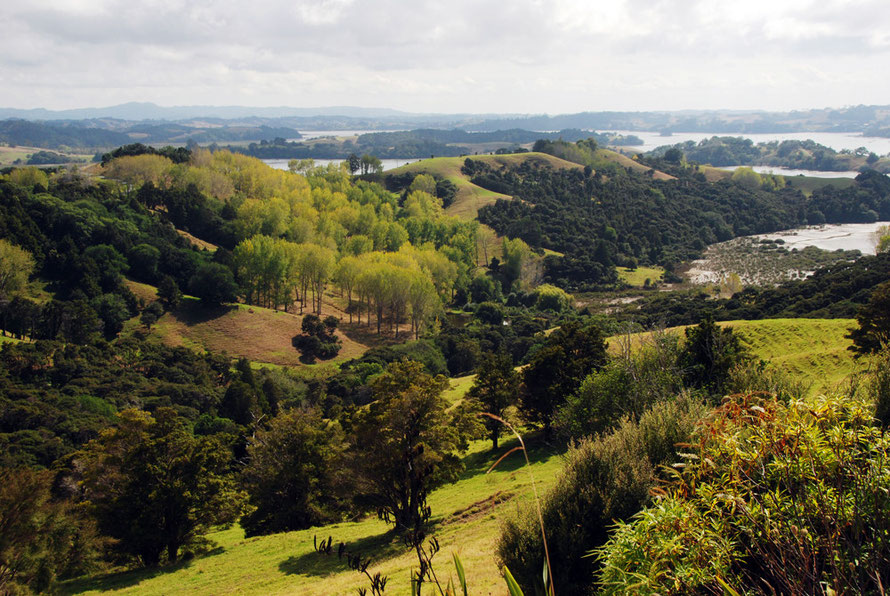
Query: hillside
(470, 197)
(259, 334)
(812, 351)
(466, 514)
(466, 517)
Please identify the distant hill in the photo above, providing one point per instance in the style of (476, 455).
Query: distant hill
(150, 111)
(36, 134)
(470, 197)
(874, 118)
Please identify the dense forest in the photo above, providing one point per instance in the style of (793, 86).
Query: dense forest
(602, 218)
(120, 451)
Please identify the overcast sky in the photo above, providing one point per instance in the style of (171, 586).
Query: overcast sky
(525, 56)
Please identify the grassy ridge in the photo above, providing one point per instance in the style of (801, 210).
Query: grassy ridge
(470, 197)
(811, 350)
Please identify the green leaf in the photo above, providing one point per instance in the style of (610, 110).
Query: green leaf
(460, 572)
(512, 586)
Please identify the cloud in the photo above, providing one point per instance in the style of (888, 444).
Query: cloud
(463, 55)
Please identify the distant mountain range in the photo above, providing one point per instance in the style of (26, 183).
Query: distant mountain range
(103, 128)
(149, 111)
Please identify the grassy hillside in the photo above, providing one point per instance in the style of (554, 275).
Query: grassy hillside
(811, 350)
(258, 334)
(807, 184)
(466, 518)
(609, 156)
(466, 514)
(470, 198)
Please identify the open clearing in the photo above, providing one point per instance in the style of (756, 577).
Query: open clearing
(637, 277)
(242, 331)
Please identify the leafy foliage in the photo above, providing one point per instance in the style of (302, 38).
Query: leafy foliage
(556, 370)
(607, 477)
(405, 445)
(294, 474)
(155, 487)
(774, 498)
(41, 540)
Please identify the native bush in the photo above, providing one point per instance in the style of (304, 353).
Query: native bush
(606, 478)
(774, 499)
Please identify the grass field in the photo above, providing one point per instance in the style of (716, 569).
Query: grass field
(813, 351)
(8, 155)
(638, 276)
(807, 184)
(465, 516)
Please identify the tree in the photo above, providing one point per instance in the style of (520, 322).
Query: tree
(169, 293)
(214, 284)
(16, 266)
(873, 333)
(151, 314)
(318, 339)
(154, 486)
(354, 162)
(144, 259)
(39, 539)
(346, 275)
(30, 177)
(112, 311)
(495, 389)
(708, 355)
(747, 178)
(405, 445)
(294, 474)
(556, 370)
(423, 300)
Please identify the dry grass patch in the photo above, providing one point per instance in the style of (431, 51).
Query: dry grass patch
(258, 334)
(144, 292)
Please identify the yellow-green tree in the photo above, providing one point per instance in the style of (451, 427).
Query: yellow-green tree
(16, 265)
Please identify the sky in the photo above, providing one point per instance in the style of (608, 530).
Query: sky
(447, 56)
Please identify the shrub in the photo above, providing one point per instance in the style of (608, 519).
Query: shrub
(605, 478)
(631, 382)
(775, 499)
